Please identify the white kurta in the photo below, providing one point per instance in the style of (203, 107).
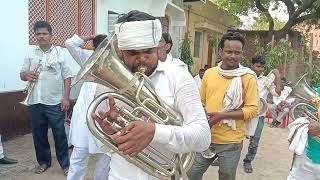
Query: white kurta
(79, 134)
(1, 149)
(197, 79)
(175, 85)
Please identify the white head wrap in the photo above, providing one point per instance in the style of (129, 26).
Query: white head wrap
(138, 35)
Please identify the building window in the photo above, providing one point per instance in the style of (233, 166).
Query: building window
(197, 44)
(66, 18)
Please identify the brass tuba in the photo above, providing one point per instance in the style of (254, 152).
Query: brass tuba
(30, 86)
(308, 101)
(139, 100)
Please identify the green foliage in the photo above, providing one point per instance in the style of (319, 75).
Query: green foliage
(276, 55)
(245, 62)
(314, 72)
(213, 40)
(261, 23)
(246, 7)
(185, 50)
(236, 7)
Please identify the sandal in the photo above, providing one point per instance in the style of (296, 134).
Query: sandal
(42, 168)
(247, 168)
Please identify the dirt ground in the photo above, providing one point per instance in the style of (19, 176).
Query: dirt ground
(272, 161)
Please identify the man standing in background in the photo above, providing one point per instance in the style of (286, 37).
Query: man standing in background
(80, 137)
(3, 158)
(229, 95)
(199, 77)
(266, 84)
(49, 98)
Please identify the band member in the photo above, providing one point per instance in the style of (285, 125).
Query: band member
(80, 136)
(164, 49)
(229, 95)
(3, 158)
(266, 84)
(199, 77)
(178, 90)
(307, 164)
(281, 105)
(49, 98)
(166, 44)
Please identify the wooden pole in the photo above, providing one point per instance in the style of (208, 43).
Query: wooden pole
(286, 57)
(310, 54)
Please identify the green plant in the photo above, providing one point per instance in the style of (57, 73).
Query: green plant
(213, 40)
(185, 50)
(245, 62)
(276, 54)
(314, 74)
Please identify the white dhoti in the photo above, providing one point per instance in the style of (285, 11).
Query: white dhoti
(304, 169)
(79, 163)
(83, 141)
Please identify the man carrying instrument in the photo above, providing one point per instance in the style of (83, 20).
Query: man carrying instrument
(80, 136)
(307, 164)
(49, 96)
(229, 95)
(266, 84)
(138, 36)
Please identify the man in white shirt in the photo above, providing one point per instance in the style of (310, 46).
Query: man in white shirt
(165, 45)
(80, 136)
(3, 158)
(266, 84)
(178, 90)
(281, 105)
(49, 98)
(199, 77)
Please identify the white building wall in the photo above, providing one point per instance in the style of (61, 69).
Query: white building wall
(14, 44)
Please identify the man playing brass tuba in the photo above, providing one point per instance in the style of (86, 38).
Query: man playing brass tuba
(138, 36)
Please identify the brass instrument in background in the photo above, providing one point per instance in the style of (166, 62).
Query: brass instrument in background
(30, 86)
(262, 108)
(308, 104)
(139, 100)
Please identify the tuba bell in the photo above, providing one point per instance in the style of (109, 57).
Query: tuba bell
(308, 101)
(138, 99)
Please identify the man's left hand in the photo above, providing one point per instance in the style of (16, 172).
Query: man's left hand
(314, 128)
(65, 104)
(135, 137)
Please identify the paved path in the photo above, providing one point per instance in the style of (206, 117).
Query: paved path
(272, 161)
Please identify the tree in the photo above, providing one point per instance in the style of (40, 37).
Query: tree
(261, 23)
(185, 54)
(298, 10)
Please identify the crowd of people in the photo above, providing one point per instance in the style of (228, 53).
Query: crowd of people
(212, 116)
